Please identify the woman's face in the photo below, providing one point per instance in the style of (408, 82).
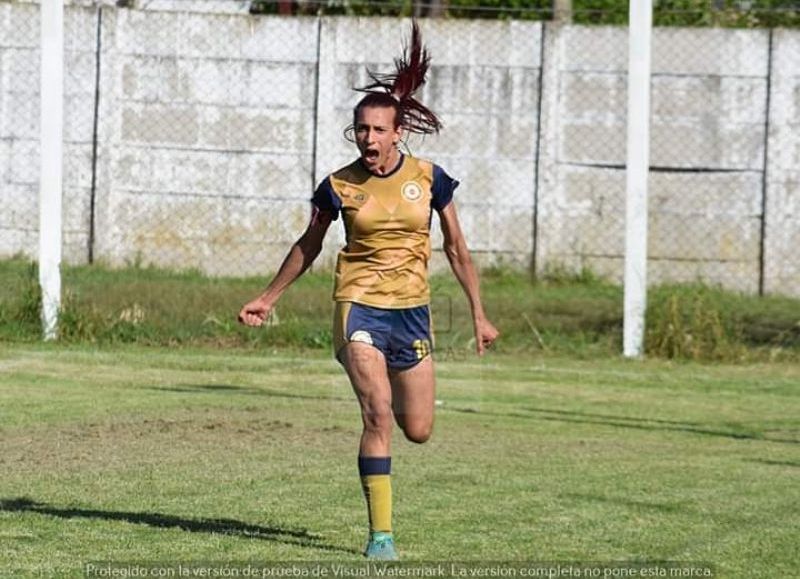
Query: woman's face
(377, 138)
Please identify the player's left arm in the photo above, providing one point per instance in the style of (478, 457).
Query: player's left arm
(455, 247)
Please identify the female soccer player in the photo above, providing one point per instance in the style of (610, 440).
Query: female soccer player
(382, 332)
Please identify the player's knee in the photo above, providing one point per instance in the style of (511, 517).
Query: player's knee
(377, 418)
(418, 433)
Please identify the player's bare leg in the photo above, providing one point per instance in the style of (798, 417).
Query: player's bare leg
(366, 367)
(413, 399)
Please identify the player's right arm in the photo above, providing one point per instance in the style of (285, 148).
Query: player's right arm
(301, 255)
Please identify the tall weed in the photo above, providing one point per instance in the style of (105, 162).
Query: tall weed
(692, 323)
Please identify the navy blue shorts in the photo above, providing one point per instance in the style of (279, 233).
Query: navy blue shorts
(403, 335)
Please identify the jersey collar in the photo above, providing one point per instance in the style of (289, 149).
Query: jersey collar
(387, 175)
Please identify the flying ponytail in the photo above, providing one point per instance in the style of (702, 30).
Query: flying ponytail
(397, 89)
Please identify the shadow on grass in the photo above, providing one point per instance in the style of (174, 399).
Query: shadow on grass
(776, 462)
(247, 390)
(212, 526)
(624, 422)
(630, 503)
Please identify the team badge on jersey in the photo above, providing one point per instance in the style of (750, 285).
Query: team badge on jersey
(411, 191)
(352, 196)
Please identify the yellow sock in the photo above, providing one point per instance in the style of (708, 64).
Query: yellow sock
(377, 484)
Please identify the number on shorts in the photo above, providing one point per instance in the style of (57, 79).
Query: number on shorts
(422, 348)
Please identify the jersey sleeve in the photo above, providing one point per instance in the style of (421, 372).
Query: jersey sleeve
(442, 188)
(325, 199)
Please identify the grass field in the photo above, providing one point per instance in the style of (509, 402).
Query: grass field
(561, 313)
(161, 455)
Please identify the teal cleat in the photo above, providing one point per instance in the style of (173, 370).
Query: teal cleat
(381, 547)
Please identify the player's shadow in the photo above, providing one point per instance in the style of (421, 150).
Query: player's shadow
(651, 424)
(231, 527)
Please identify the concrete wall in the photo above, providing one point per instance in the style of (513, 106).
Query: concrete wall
(206, 132)
(19, 128)
(782, 231)
(213, 129)
(485, 99)
(709, 92)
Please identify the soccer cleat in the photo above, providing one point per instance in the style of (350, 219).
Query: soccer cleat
(381, 547)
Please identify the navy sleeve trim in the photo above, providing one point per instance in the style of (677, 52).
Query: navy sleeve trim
(442, 188)
(326, 199)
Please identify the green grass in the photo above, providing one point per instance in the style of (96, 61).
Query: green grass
(163, 455)
(558, 314)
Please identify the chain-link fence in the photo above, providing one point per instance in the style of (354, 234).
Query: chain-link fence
(19, 129)
(708, 123)
(196, 131)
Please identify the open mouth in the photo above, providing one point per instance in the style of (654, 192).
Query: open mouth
(371, 155)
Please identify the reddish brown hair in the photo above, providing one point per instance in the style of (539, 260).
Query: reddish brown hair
(396, 89)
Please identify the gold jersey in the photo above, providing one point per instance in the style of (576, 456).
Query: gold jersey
(387, 226)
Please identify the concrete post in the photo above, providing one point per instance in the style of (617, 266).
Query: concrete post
(51, 180)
